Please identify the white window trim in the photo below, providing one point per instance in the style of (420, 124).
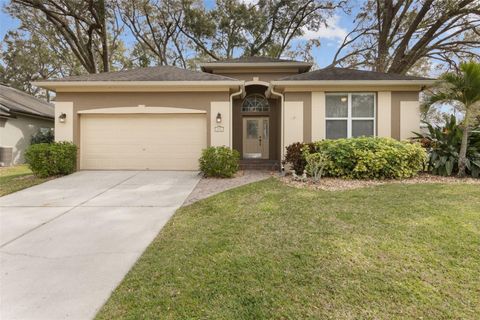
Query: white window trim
(349, 117)
(257, 96)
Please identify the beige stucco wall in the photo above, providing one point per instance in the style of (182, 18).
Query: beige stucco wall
(384, 114)
(64, 130)
(91, 100)
(17, 133)
(409, 119)
(220, 132)
(293, 122)
(262, 76)
(306, 99)
(397, 98)
(318, 115)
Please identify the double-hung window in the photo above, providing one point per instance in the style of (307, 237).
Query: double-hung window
(350, 115)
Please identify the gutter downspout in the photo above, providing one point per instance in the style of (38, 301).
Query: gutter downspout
(282, 124)
(231, 114)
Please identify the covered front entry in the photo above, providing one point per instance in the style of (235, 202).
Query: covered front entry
(142, 141)
(256, 125)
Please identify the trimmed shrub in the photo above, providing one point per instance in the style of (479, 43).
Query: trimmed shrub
(219, 162)
(295, 156)
(371, 158)
(43, 135)
(51, 159)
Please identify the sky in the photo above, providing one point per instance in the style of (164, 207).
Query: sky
(6, 22)
(329, 37)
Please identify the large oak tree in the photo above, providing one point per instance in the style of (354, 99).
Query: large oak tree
(264, 27)
(155, 26)
(179, 31)
(397, 36)
(86, 27)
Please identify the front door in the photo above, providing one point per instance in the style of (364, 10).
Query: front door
(255, 137)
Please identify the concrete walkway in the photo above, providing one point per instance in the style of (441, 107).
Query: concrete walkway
(67, 243)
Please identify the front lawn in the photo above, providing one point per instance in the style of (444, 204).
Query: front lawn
(269, 251)
(17, 178)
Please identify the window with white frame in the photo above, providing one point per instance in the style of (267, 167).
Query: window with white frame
(350, 115)
(255, 103)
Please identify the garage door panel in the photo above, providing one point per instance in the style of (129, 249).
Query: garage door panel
(134, 151)
(126, 164)
(176, 145)
(156, 142)
(147, 154)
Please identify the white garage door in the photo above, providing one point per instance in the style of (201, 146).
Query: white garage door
(142, 142)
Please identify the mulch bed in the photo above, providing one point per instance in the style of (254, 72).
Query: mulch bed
(337, 184)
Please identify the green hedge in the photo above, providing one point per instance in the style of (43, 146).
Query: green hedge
(51, 159)
(219, 162)
(369, 158)
(372, 158)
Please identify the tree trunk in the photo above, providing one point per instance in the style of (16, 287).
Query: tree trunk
(462, 156)
(104, 35)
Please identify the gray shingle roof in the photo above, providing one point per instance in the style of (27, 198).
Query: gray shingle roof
(15, 101)
(160, 73)
(348, 74)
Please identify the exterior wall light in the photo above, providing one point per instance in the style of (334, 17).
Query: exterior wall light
(62, 118)
(219, 117)
(343, 99)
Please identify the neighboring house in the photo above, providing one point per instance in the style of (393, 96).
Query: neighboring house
(21, 115)
(162, 117)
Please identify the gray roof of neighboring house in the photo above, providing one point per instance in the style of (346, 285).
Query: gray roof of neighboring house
(14, 101)
(160, 73)
(348, 74)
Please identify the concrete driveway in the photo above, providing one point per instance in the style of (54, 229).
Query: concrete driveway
(67, 243)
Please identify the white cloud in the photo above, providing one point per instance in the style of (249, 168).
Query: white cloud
(333, 32)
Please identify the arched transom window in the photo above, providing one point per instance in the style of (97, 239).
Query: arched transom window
(255, 103)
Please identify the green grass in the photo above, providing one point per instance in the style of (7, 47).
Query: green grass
(268, 251)
(17, 178)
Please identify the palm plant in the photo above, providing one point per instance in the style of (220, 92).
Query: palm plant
(443, 144)
(461, 89)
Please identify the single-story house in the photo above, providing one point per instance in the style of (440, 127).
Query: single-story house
(21, 115)
(162, 117)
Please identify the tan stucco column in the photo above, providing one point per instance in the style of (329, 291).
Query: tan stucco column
(409, 119)
(318, 116)
(64, 131)
(293, 122)
(220, 132)
(384, 114)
